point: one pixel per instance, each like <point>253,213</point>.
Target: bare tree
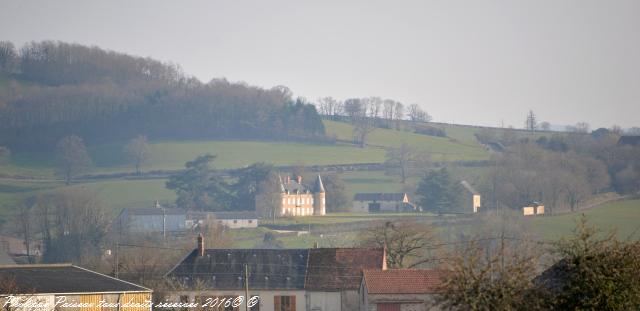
<point>545,126</point>
<point>269,196</point>
<point>137,150</point>
<point>388,109</point>
<point>72,157</point>
<point>407,244</point>
<point>398,113</point>
<point>582,127</point>
<point>362,127</point>
<point>375,106</point>
<point>73,225</point>
<point>404,160</point>
<point>531,123</point>
<point>24,219</point>
<point>495,269</point>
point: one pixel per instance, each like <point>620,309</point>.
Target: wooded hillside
<point>49,90</point>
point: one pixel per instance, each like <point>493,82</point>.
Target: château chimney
<point>299,178</point>
<point>200,245</point>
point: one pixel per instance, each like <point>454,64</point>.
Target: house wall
<point>324,301</point>
<point>350,300</point>
<point>266,296</point>
<point>476,203</point>
<point>297,204</point>
<point>385,206</point>
<point>239,223</point>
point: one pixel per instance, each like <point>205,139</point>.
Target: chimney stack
<point>200,245</point>
<point>299,179</point>
<point>384,257</point>
<point>288,179</point>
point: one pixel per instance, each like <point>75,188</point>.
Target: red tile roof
<point>403,281</point>
<point>334,269</point>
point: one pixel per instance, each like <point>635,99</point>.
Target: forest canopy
<point>49,90</point>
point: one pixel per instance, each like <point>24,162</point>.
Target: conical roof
<point>319,187</point>
<point>280,185</point>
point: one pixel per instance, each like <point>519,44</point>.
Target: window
<point>235,221</point>
<point>284,303</point>
<point>250,221</point>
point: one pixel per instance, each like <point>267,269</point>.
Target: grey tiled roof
<point>224,268</point>
<point>379,196</point>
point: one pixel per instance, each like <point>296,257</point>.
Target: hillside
<point>171,155</point>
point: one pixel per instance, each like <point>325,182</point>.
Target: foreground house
<point>54,284</point>
<point>333,276</point>
<point>400,289</point>
<point>381,202</point>
<point>319,279</point>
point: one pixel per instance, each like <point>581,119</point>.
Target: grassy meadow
<point>622,216</point>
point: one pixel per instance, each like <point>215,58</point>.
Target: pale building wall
<point>350,300</point>
<point>324,301</point>
<point>297,205</point>
<point>239,223</point>
<point>266,296</point>
<point>476,202</point>
<point>385,206</point>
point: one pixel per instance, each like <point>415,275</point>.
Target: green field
<point>172,155</point>
<point>440,148</point>
<point>231,154</point>
<point>622,216</point>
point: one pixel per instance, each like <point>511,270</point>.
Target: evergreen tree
<point>438,192</point>
<point>199,187</point>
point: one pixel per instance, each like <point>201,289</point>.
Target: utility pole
<point>115,272</point>
<point>246,287</point>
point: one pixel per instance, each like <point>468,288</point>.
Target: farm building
<point>53,284</point>
<point>381,202</point>
<point>533,209</point>
<point>471,198</point>
<point>171,220</point>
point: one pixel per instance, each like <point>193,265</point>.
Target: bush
<point>430,131</point>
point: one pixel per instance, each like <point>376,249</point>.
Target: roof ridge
<point>39,265</point>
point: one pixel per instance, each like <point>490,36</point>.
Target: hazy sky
<point>474,62</point>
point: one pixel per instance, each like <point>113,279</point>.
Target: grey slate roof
<point>224,268</point>
<point>324,269</point>
<point>629,140</point>
<point>64,279</point>
<point>379,197</point>
<point>153,211</point>
<point>294,187</point>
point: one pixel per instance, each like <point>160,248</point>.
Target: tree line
<point>56,89</point>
